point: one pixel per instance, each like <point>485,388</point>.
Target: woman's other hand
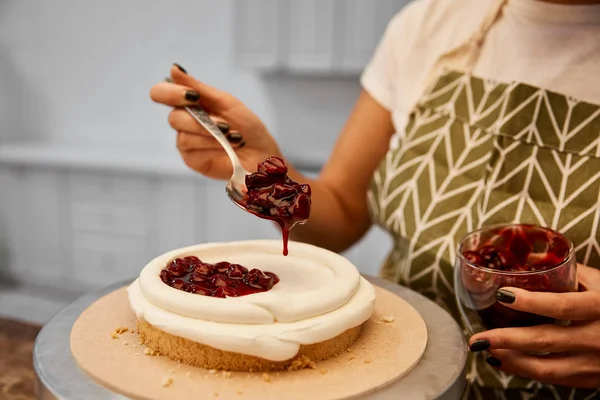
<point>199,150</point>
<point>574,358</point>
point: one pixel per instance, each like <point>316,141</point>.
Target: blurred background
<point>91,184</point>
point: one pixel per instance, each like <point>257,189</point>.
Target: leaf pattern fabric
<point>477,152</point>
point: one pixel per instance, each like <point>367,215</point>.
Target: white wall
<point>80,71</point>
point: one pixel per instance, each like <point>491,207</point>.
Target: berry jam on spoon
<point>273,195</point>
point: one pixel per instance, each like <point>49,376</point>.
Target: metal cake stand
<point>439,375</point>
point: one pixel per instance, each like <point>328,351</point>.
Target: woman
<point>473,112</point>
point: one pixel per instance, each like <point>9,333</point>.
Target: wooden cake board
<point>391,344</point>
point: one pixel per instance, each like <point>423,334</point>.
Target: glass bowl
<point>518,255</point>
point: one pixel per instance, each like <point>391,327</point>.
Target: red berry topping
<point>236,271</point>
<point>273,195</point>
<point>259,280</point>
<point>222,279</point>
<point>517,248</point>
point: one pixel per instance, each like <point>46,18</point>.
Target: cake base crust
<point>200,355</point>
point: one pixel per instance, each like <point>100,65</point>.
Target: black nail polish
<point>190,95</point>
<point>223,127</point>
<point>494,362</point>
<point>235,137</point>
<point>505,296</point>
<point>241,144</point>
<point>180,68</point>
<point>480,345</point>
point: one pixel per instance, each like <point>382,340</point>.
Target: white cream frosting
<point>320,295</point>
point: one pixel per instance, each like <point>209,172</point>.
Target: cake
<point>243,306</point>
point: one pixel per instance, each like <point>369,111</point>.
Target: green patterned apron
<point>477,152</point>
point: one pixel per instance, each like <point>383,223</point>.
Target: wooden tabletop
<point>16,366</point>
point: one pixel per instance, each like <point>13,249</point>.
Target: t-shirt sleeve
<point>378,78</point>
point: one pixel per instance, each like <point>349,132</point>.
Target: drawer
<point>107,188</point>
<point>111,219</point>
<point>100,260</point>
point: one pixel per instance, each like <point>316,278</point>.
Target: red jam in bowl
<point>519,255</point>
<point>222,279</point>
<point>274,195</point>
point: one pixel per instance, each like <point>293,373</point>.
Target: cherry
<point>222,267</point>
<point>259,280</point>
<point>204,269</point>
<point>236,271</point>
<point>259,180</point>
<point>219,280</point>
<point>197,289</point>
<point>166,276</point>
<point>493,258</point>
<point>178,283</point>
<point>191,261</point>
<point>272,166</point>
<point>198,277</point>
<point>225,292</point>
<point>279,191</point>
<point>177,267</point>
<point>473,257</point>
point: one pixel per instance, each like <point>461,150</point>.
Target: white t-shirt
<point>548,45</point>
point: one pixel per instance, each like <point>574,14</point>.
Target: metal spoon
<point>236,185</point>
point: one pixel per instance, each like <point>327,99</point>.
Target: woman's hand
<point>574,358</point>
<point>199,150</point>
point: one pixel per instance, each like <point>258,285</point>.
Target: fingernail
<point>241,144</point>
<point>223,127</point>
<point>494,362</point>
<point>190,95</point>
<point>180,68</point>
<point>235,137</point>
<point>505,296</point>
<point>480,345</point>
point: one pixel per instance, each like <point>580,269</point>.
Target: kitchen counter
<point>16,366</point>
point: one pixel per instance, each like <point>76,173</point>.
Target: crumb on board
<point>212,371</point>
<point>216,394</point>
<point>226,374</point>
<point>349,349</point>
<point>187,374</point>
<point>167,381</point>
<point>323,371</point>
<point>266,377</point>
<point>118,331</point>
<point>149,352</point>
<point>367,361</point>
<point>239,392</point>
<point>302,362</point>
<point>388,318</point>
<point>125,343</point>
<point>351,357</point>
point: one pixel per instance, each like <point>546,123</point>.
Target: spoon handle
<point>202,117</point>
